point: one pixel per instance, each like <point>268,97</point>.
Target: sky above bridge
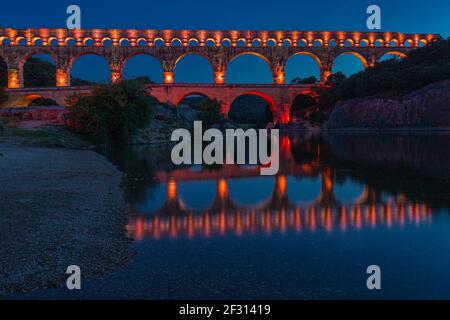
<point>408,16</point>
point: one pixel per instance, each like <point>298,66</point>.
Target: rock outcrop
<point>426,107</point>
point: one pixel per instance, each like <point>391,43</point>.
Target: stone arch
<point>193,93</point>
<point>75,58</point>
<point>399,54</point>
<point>209,77</point>
<point>26,57</point>
<point>250,53</point>
<point>156,77</point>
<point>315,58</point>
<point>267,98</point>
<point>26,100</point>
<point>355,54</point>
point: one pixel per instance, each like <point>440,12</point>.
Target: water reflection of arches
<point>251,192</point>
<point>307,219</point>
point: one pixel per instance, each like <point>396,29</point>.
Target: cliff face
<point>426,107</point>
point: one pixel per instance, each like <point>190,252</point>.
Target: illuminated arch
<point>399,54</point>
<point>107,41</point>
<point>234,72</point>
<point>199,64</point>
<point>25,102</point>
<point>53,41</point>
<point>193,42</point>
<point>36,40</point>
<point>364,43</point>
<point>422,43</point>
<point>176,42</point>
<point>393,43</point>
<point>355,54</point>
<point>76,58</point>
<point>271,42</point>
<point>210,42</point>
<point>267,98</point>
<point>318,43</point>
<point>21,41</point>
<point>159,42</point>
<point>69,41</point>
<point>195,93</point>
<point>4,41</point>
<point>141,42</point>
<point>291,74</point>
<point>153,68</point>
<point>124,42</point>
<point>226,42</point>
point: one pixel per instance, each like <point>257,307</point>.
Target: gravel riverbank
<point>58,207</point>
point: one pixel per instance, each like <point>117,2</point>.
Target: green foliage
<point>335,78</point>
<point>392,77</point>
<point>209,112</point>
<point>39,73</point>
<point>113,113</point>
<point>308,80</point>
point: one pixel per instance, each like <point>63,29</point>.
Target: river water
<point>339,203</point>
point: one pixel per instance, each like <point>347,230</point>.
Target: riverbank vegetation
<point>113,113</point>
<point>393,77</point>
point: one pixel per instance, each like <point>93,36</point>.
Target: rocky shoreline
<point>59,207</point>
<point>427,108</point>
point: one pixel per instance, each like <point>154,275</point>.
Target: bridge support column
<point>116,68</point>
<point>324,75</point>
<point>168,77</point>
<point>62,77</point>
<point>278,70</point>
<point>224,109</point>
<point>219,77</point>
<point>15,78</point>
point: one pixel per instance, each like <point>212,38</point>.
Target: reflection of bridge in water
<point>275,214</point>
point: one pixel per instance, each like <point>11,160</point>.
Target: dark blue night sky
<point>401,15</point>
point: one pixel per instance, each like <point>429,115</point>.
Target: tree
<point>308,80</point>
<point>113,113</point>
<point>335,78</point>
<point>210,112</point>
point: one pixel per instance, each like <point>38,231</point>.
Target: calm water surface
<point>338,204</point>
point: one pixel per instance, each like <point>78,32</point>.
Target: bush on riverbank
<point>113,113</point>
<point>394,78</point>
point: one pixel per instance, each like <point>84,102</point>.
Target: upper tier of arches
<point>243,38</point>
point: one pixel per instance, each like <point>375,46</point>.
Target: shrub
<point>210,112</point>
<point>113,113</point>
